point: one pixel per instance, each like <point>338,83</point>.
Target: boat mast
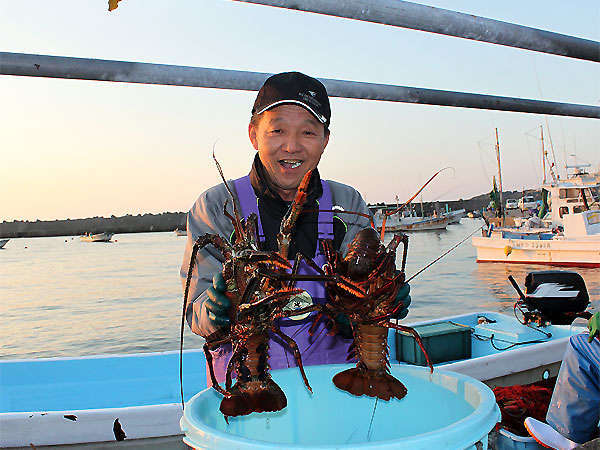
<point>501,206</point>
<point>543,153</point>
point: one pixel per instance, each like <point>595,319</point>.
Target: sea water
<point>63,297</point>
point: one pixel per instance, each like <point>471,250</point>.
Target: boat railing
<point>396,13</point>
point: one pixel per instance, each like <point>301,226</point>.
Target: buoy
<point>507,250</point>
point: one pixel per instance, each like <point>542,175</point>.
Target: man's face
<point>290,142</point>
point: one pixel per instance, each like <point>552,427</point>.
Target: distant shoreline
<point>169,221</point>
<point>142,223</point>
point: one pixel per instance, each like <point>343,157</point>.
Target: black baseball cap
<point>294,88</point>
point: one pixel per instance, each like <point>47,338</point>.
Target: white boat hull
<point>439,223</point>
<point>53,428</point>
<point>455,216</point>
<point>99,237</point>
<point>556,252</point>
<point>394,223</point>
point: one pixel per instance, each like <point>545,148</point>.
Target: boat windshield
<point>593,194</point>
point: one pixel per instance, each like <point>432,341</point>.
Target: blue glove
<point>217,304</point>
<point>403,298</point>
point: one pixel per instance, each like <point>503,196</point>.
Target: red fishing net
<point>520,401</point>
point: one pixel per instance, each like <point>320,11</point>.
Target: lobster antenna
<point>400,208</point>
<point>340,211</point>
<point>236,213</point>
<point>389,213</point>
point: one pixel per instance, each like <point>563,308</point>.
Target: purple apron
<point>320,348</point>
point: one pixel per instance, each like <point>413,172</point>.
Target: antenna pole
<point>499,176</point>
<point>543,153</point>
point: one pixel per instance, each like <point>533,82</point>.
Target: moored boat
<point>3,242</point>
<point>397,222</point>
<point>180,232</point>
<point>577,245</point>
<point>425,224</point>
<point>98,237</point>
<point>455,216</point>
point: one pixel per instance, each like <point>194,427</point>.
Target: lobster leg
<point>333,258</point>
<point>231,364</point>
<point>400,237</point>
<point>269,258</point>
<point>252,228</point>
<point>292,344</point>
<point>209,360</point>
<point>226,250</point>
<point>397,280</point>
<point>415,335</point>
<point>387,260</point>
<point>250,289</point>
<point>295,268</point>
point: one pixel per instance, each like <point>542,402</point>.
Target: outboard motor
<point>553,296</point>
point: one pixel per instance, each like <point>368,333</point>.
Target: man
<point>574,409</point>
<point>289,129</point>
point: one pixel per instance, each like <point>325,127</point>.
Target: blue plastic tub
<point>441,410</point>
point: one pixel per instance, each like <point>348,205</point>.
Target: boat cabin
<point>567,198</point>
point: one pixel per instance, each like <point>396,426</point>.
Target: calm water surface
<point>63,297</point>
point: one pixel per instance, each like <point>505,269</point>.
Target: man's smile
<point>290,163</point>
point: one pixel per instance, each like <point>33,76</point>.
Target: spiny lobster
<point>365,293</point>
<point>259,288</point>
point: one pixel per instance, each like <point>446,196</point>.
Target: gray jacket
<point>206,216</point>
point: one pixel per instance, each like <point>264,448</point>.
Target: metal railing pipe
<point>21,64</point>
<point>405,14</point>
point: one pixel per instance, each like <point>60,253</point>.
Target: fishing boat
<point>425,224</point>
<point>455,216</point>
<point>180,232</point>
<point>399,222</point>
<point>97,237</point>
<point>575,242</point>
<point>3,242</point>
<point>58,401</point>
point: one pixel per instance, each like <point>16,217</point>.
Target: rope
<point>444,254</point>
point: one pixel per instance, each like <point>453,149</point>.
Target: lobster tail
<point>371,375</point>
<point>359,381</point>
<point>255,396</point>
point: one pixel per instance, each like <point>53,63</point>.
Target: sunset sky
<point>72,149</point>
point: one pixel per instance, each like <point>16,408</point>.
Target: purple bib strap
<point>248,201</point>
<point>249,204</point>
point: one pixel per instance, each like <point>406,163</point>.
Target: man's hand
<point>343,326</point>
<point>594,326</point>
<point>217,303</point>
<point>403,298</point>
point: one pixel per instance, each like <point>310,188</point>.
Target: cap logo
<point>310,99</point>
<point>312,93</point>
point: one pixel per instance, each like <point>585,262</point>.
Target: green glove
<point>217,304</point>
<point>344,328</point>
<point>402,297</point>
<point>594,326</point>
